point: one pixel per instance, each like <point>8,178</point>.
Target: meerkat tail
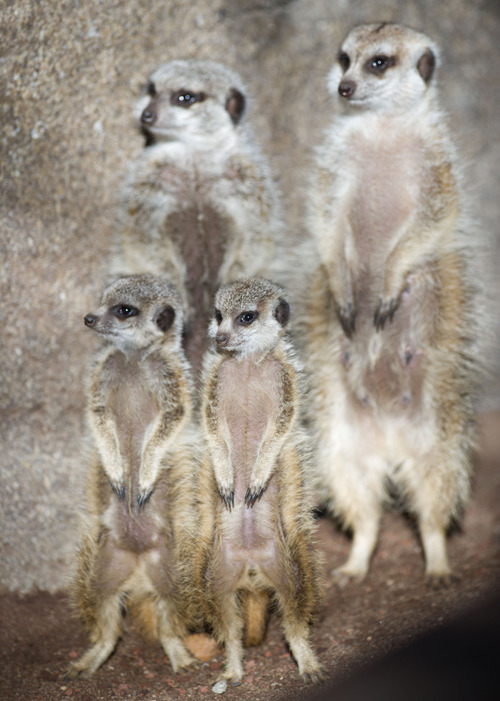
<point>255,614</point>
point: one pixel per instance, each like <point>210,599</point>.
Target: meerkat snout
<point>347,88</point>
<point>148,115</point>
<point>90,320</point>
<point>222,339</point>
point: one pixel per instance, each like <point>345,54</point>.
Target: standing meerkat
<point>139,509</point>
<point>256,535</point>
<point>199,204</point>
<point>392,318</point>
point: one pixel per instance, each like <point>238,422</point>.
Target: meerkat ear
<point>426,65</point>
<point>235,104</point>
<point>165,318</point>
<point>282,312</point>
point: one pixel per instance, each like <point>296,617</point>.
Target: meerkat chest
<point>386,162</point>
<point>132,404</point>
<point>250,395</point>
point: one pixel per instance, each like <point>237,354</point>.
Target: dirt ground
<point>358,625</point>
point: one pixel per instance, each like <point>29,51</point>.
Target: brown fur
<point>256,531</point>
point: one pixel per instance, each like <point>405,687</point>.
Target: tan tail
<point>144,615</point>
<point>255,616</point>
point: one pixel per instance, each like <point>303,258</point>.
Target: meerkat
<point>199,204</point>
<point>392,316</point>
<point>256,532</point>
<point>139,511</point>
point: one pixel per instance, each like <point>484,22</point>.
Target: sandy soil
<point>358,625</point>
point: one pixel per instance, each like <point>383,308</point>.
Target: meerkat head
<point>250,316</point>
<point>384,67</point>
<point>138,311</point>
<point>198,102</point>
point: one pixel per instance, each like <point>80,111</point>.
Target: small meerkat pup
<point>392,318</point>
<point>139,511</point>
<point>199,204</point>
<point>256,530</point>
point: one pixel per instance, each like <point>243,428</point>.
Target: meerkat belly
<point>134,530</point>
<point>387,370</point>
<point>251,407</point>
<point>249,539</point>
<point>200,234</point>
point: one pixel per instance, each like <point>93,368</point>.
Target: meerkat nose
<point>90,320</point>
<point>222,339</point>
<point>148,116</point>
<point>347,88</point>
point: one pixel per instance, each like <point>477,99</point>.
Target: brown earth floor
<point>358,624</point>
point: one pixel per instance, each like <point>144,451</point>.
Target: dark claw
<point>143,498</point>
<point>228,500</point>
<point>384,312</point>
<point>252,497</point>
<point>347,317</point>
<point>119,490</point>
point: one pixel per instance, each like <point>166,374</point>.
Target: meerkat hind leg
<point>297,637</point>
<point>437,570</point>
<point>233,639</point>
<point>365,535</point>
<point>105,637</point>
<point>170,641</point>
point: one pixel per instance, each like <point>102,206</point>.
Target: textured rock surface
<point>70,72</point>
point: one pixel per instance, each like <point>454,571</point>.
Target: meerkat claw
<point>119,490</point>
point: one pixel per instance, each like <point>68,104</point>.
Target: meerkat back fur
<point>199,204</point>
<point>393,314</point>
<point>256,537</point>
<point>138,514</point>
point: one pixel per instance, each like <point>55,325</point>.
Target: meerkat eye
<point>379,64</point>
<point>246,318</point>
<point>185,98</point>
<point>344,61</point>
<point>124,311</point>
<point>218,316</point>
<point>151,89</point>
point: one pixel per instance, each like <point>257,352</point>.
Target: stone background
<point>70,72</point>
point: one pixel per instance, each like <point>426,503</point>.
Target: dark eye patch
<point>124,311</point>
<point>344,61</point>
<point>185,98</point>
<point>218,316</point>
<point>379,64</point>
<point>151,89</point>
<point>246,318</point>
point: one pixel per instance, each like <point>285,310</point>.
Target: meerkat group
<point>199,493</point>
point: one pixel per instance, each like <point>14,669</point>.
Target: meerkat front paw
<point>118,488</point>
<point>385,311</point>
<point>253,494</point>
<point>226,493</point>
<point>143,497</point>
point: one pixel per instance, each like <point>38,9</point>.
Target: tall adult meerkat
<point>256,532</point>
<point>393,318</point>
<point>199,204</point>
<point>139,512</point>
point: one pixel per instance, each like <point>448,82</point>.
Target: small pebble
<point>219,687</point>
